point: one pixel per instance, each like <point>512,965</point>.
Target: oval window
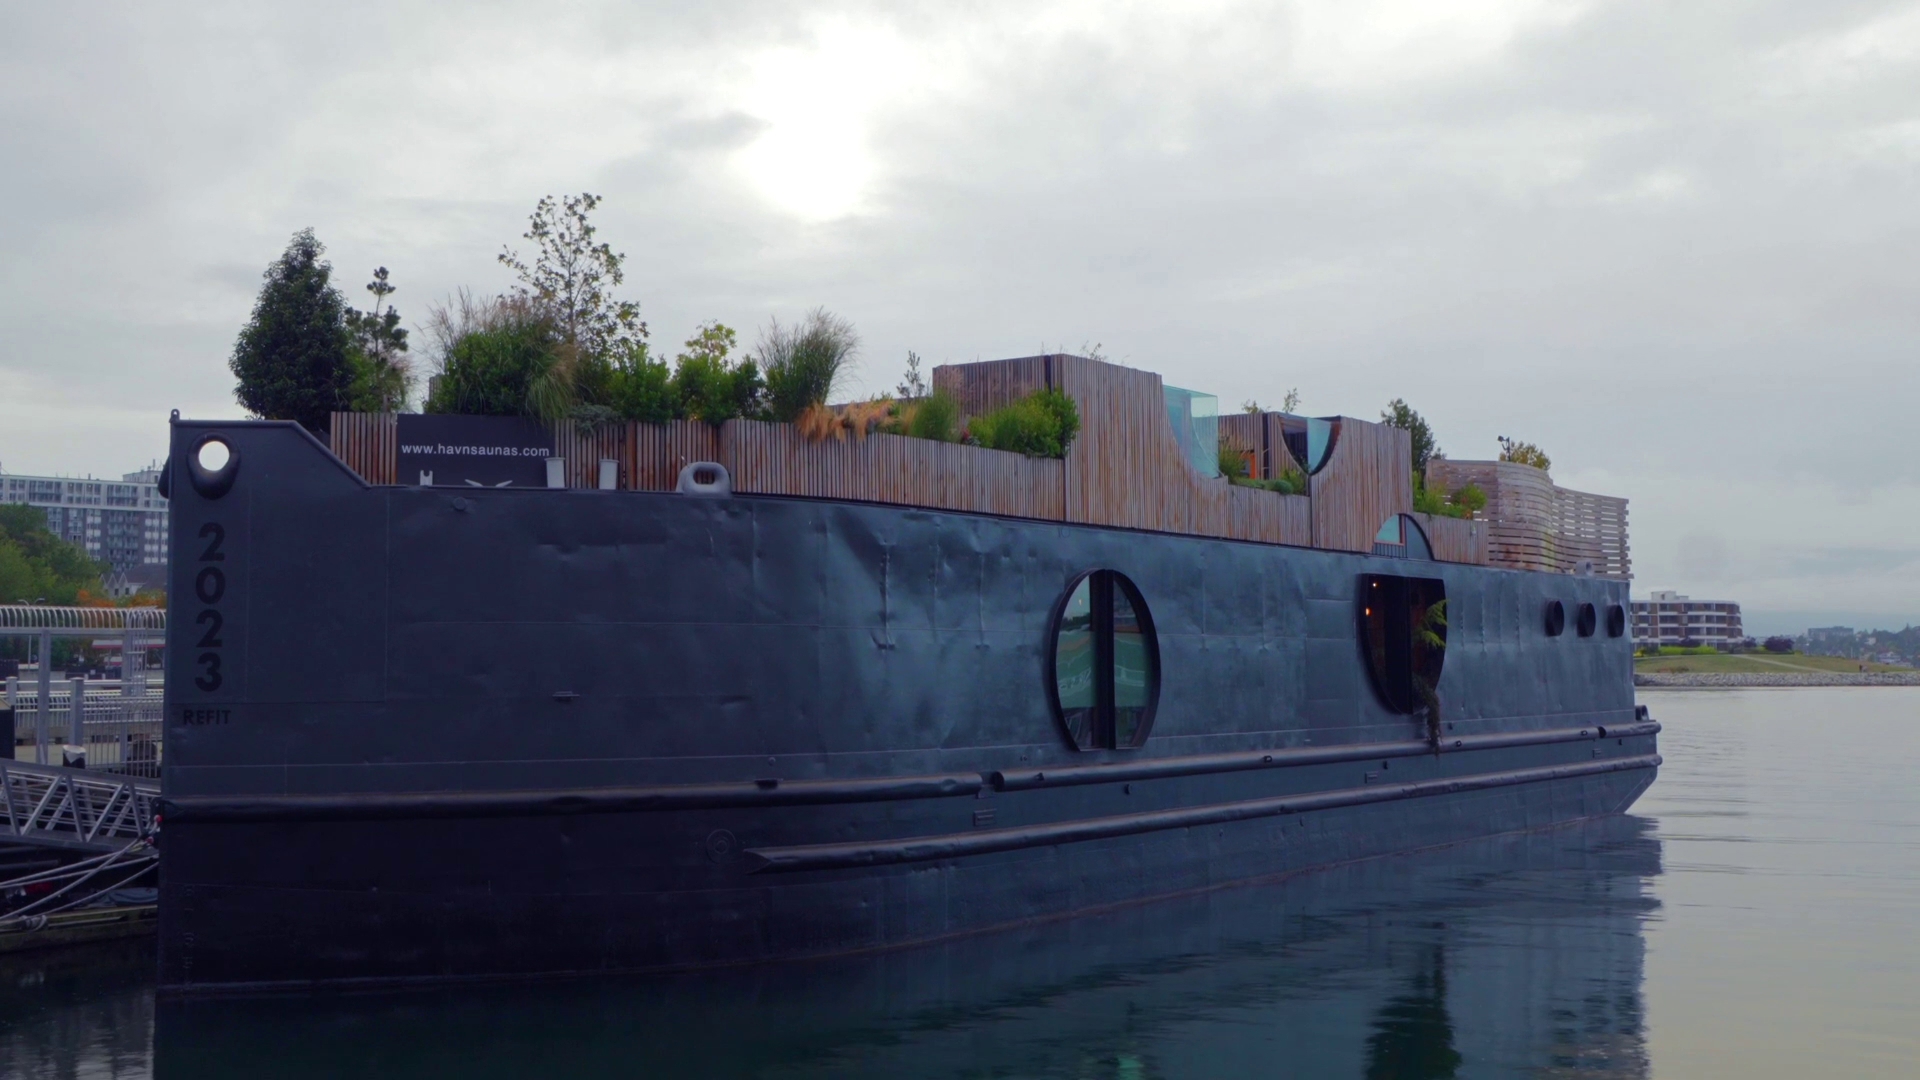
<point>1556,618</point>
<point>1616,620</point>
<point>1584,620</point>
<point>1104,667</point>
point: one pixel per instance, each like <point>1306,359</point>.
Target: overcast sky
<point>1674,244</point>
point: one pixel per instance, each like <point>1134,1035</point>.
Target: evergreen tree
<point>292,357</point>
<point>382,377</point>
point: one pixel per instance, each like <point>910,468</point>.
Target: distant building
<point>1670,618</point>
<point>122,523</point>
<point>1823,634</point>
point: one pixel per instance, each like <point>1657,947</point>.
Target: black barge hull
<point>442,734</point>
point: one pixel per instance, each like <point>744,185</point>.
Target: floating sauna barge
<point>881,691</point>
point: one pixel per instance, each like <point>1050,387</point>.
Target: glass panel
<point>1390,532</point>
<point>1319,443</point>
<point>1132,671</point>
<point>1195,418</point>
<point>1073,664</point>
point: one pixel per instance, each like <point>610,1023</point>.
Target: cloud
<point>1671,244</point>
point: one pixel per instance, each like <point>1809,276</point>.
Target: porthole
<point>1616,620</point>
<point>1585,621</point>
<point>1556,618</point>
<point>1403,632</point>
<point>212,466</point>
<point>1103,670</point>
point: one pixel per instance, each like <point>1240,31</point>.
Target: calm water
<point>1757,916</point>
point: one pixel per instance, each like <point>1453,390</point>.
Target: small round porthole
<point>1103,664</point>
<point>1556,618</point>
<point>1585,620</point>
<point>1616,620</point>
<point>212,466</point>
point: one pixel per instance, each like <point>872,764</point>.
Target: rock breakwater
<point>1783,678</point>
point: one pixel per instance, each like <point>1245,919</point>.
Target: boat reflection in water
<point>1518,955</point>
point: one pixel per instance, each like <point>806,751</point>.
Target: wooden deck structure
<point>1126,469</point>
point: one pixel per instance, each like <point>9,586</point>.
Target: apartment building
<point>122,523</point>
<point>1669,618</point>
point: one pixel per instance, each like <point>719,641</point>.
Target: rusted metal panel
<point>1368,478</point>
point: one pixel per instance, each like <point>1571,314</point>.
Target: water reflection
<point>1517,956</point>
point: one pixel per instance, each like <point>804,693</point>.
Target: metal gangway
<point>112,724</point>
<point>74,809</point>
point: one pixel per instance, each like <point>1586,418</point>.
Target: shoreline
<point>1732,680</point>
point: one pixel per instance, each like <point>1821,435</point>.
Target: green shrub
<point>803,363</point>
<point>710,389</point>
<point>500,358</point>
<point>1233,465</point>
<point>641,388</point>
<point>1042,424</point>
<point>936,417</point>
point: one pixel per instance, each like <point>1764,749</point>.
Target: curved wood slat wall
<point>1533,524</point>
<point>1456,540</point>
<point>1368,479</point>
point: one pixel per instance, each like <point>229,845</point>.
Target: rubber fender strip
<point>480,804</point>
<point>1238,761</point>
<point>959,845</point>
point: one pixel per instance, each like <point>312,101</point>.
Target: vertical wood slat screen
<point>1367,479</point>
<point>367,443</point>
<point>1126,469</point>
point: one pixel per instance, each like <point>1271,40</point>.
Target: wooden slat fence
<point>1126,469</point>
<point>1456,540</point>
<point>1533,524</point>
<point>657,452</point>
<point>775,459</point>
<point>368,443</point>
<point>1367,479</point>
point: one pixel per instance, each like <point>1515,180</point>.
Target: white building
<point>1670,618</point>
<point>122,523</point>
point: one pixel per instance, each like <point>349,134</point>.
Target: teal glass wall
<point>1196,427</point>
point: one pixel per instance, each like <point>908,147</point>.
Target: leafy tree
<point>803,363</point>
<point>1401,415</point>
<point>1524,453</point>
<point>1291,405</point>
<point>571,278</point>
<point>382,375</point>
<point>641,388</point>
<point>37,565</point>
<point>292,356</point>
<point>1779,644</point>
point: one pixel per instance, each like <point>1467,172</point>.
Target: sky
<point>1673,244</point>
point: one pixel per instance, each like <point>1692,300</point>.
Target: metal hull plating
<point>450,734</point>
